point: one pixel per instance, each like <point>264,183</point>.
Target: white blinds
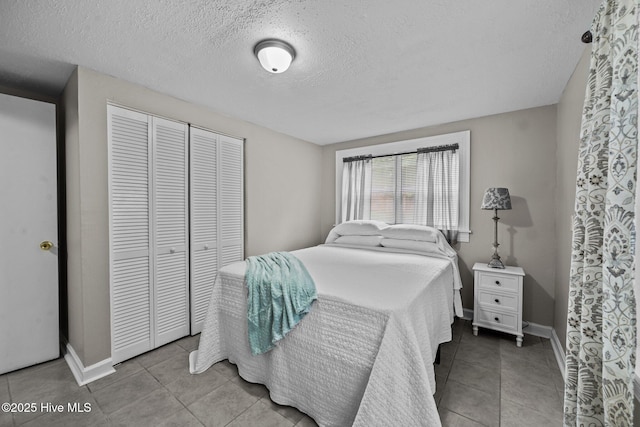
<point>383,189</point>
<point>408,189</point>
<point>393,188</point>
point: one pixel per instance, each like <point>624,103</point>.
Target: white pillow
<point>359,240</point>
<point>413,245</point>
<point>421,233</point>
<point>360,228</point>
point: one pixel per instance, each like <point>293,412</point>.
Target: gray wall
<point>514,150</point>
<point>523,150</point>
<point>569,120</point>
<point>73,290</point>
<point>282,183</point>
<point>29,94</point>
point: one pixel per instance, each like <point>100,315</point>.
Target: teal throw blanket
<point>280,295</point>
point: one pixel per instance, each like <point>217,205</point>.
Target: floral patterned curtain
<point>601,325</point>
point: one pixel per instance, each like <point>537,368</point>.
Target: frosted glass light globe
<point>275,56</point>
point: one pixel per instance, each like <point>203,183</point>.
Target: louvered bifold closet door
<point>231,189</point>
<point>130,257</point>
<point>203,148</point>
<point>170,230</point>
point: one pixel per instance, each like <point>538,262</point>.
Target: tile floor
<point>488,381</point>
<point>482,381</point>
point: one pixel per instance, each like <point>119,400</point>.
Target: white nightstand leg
<point>475,330</point>
<point>519,341</point>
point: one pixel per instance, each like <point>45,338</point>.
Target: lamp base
<point>495,258</point>
<point>496,263</point>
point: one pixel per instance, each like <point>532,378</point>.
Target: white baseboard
<point>90,373</point>
<point>560,358</point>
<point>530,328</point>
<point>556,345</point>
<point>538,330</point>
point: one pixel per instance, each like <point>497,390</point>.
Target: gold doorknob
<point>46,245</point>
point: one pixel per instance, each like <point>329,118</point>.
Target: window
<point>394,187</point>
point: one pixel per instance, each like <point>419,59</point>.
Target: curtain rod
<point>356,158</point>
<point>450,147</point>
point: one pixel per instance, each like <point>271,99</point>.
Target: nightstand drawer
<point>498,281</point>
<point>499,320</point>
<point>493,300</point>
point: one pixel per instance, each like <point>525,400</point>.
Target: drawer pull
<point>497,301</point>
<point>497,319</point>
<point>498,282</point>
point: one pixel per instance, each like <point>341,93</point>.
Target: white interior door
<point>204,222</point>
<point>171,229</point>
<point>130,258</point>
<point>231,200</point>
<point>28,220</point>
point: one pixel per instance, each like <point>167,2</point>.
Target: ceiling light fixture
<point>275,56</point>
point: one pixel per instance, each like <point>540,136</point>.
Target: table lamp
<point>496,199</point>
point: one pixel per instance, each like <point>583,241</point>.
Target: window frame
<point>463,139</point>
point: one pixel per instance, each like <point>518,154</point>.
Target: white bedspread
<point>364,353</point>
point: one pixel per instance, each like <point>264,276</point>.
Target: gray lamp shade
<point>496,198</point>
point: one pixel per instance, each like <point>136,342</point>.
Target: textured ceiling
<point>363,67</point>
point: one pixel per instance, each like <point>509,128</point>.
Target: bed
<point>364,354</point>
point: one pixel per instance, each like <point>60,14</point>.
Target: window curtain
<point>438,189</point>
<point>356,188</point>
<point>601,324</point>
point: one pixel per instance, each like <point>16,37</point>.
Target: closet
<point>216,213</point>
<point>170,185</point>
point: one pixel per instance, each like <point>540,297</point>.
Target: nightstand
<point>497,302</point>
